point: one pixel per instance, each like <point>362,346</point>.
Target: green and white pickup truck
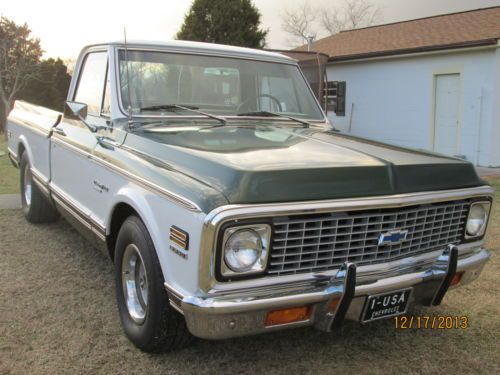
<point>231,206</point>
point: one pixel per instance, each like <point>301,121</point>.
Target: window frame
<point>106,89</point>
<point>81,70</point>
<point>123,111</point>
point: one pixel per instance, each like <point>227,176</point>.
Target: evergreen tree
<point>49,87</point>
<point>234,22</point>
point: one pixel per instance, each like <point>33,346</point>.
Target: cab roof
<point>202,48</point>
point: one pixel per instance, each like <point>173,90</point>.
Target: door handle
<point>107,143</point>
<point>59,131</point>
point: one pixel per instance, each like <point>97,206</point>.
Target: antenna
<point>129,109</point>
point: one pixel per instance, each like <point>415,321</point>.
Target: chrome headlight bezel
<point>481,232</point>
<point>260,266</point>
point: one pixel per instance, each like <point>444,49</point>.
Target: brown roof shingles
<point>470,28</point>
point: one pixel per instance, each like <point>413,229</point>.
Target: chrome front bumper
<point>241,314</point>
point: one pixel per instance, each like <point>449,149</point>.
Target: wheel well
<point>120,213</point>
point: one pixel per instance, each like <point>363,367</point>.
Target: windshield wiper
<point>167,107</point>
<point>174,107</point>
<point>273,114</point>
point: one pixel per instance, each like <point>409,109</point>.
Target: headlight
<point>245,249</point>
<point>477,219</point>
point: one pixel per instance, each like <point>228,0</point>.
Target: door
<point>72,175</point>
<point>446,114</point>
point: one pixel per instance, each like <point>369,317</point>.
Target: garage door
<point>446,120</point>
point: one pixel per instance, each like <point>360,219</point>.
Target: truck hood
<point>261,164</point>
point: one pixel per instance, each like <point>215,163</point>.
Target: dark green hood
<point>250,164</point>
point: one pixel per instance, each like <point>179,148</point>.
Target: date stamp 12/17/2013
<point>431,322</point>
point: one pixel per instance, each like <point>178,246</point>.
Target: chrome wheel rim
<point>27,185</point>
<point>135,283</point>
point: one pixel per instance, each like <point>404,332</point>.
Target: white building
<point>431,83</point>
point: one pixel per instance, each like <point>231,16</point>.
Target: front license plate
<point>385,305</point>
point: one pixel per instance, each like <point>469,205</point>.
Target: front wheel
<point>145,313</point>
<point>36,206</point>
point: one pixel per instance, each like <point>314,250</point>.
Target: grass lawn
<point>58,316</point>
<point>9,176</point>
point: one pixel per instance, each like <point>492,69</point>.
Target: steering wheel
<point>244,103</point>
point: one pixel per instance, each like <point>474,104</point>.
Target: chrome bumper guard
<point>235,315</point>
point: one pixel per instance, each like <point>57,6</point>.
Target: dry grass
<point>58,316</point>
<point>9,176</point>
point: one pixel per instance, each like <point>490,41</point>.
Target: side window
<point>91,83</point>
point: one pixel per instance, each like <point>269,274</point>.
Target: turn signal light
<point>334,303</point>
<point>291,315</point>
<point>456,278</point>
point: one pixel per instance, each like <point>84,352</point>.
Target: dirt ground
<point>58,316</point>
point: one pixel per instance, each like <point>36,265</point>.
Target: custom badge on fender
<point>179,241</point>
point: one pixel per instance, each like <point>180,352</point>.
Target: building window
<point>334,97</point>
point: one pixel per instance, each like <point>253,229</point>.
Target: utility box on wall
<point>340,102</point>
<point>334,97</point>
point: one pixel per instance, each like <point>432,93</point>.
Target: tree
<point>19,56</point>
<point>352,15</point>
<point>299,23</point>
<point>49,87</point>
<point>305,21</point>
<point>235,22</point>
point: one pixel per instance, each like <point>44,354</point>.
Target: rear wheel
<point>36,206</point>
<point>145,312</point>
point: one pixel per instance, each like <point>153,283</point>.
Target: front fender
<point>135,199</point>
<point>158,215</point>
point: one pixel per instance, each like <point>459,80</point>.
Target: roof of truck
<point>203,48</point>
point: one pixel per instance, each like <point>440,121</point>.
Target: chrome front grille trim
<point>214,220</point>
<point>314,243</point>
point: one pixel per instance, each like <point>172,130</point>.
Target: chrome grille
<point>321,242</point>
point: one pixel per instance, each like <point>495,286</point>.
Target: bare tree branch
<point>299,23</point>
<point>352,15</point>
<point>332,21</point>
<point>305,21</point>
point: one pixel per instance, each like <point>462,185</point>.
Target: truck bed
<point>32,123</point>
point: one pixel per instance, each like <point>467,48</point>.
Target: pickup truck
<point>230,205</point>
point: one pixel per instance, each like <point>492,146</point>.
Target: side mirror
<point>75,110</point>
<point>78,111</point>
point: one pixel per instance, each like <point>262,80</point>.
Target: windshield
<point>218,85</point>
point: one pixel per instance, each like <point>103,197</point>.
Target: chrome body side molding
<point>41,182</point>
<point>33,128</point>
<point>128,174</point>
<point>13,158</point>
<point>81,220</point>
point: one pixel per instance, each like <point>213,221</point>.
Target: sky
<point>65,27</point>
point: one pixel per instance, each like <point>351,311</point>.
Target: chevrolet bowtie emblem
<point>392,238</point>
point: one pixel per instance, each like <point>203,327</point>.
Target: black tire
<point>162,328</point>
<point>38,208</point>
